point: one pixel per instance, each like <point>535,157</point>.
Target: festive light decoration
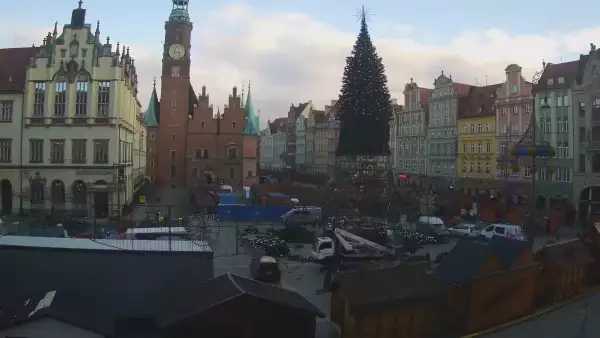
<point>364,107</point>
<point>272,246</point>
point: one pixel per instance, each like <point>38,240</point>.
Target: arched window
<point>37,185</point>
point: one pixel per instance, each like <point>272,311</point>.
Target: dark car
<point>265,269</point>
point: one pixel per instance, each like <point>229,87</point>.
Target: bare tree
<point>204,227</point>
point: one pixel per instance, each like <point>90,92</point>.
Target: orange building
<point>193,145</point>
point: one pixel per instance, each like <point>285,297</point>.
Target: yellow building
<point>476,141</point>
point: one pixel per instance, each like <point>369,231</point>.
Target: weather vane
<point>363,13</point>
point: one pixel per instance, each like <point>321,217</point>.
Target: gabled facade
<point>151,121</point>
<point>292,116</point>
<point>266,147</point>
<point>411,136</point>
<point>513,116</point>
<point>477,142</point>
<point>442,125</point>
<point>553,113</point>
<point>81,123</point>
<point>300,154</point>
<point>321,142</point>
<point>279,133</point>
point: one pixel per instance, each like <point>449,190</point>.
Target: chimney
<point>235,91</point>
<point>203,90</point>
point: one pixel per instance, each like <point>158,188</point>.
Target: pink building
<point>513,115</point>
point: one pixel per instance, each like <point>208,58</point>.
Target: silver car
<point>301,216</point>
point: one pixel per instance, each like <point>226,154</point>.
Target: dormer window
<point>561,80</point>
<point>74,49</point>
<point>550,81</point>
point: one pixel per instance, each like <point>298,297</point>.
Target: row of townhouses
<point>71,132</point>
<point>461,135</point>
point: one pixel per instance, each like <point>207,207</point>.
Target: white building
<point>266,147</point>
<point>80,126</point>
<point>300,154</point>
<point>279,142</point>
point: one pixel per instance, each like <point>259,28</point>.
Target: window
<point>101,151</point>
<point>202,125</point>
<point>464,148</point>
<point>60,98</point>
<point>233,125</point>
<point>57,151</point>
<point>480,148</point>
<point>6,109</point>
<point>515,110</point>
<point>175,71</point>
<point>472,148</point>
<point>528,108</point>
<point>81,97</point>
<point>561,79</point>
<point>550,81</point>
<point>231,173</point>
<point>527,171</point>
<point>39,99</point>
<point>581,108</point>
<point>36,151</point>
<point>201,154</point>
<point>173,107</point>
<point>559,101</point>
<point>514,89</point>
<point>503,147</point>
<point>472,128</point>
<point>173,154</point>
<point>103,98</point>
<point>581,163</point>
<point>480,128</point>
<point>78,151</point>
<point>74,51</point>
<point>5,150</point>
<point>232,153</point>
<point>488,148</point>
<point>153,136</point>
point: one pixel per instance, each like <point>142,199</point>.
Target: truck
<point>349,247</point>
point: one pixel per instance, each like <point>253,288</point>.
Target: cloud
<point>292,57</point>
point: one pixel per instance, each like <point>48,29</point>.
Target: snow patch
<point>44,302</point>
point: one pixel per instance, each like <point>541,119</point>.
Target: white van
<point>504,230</point>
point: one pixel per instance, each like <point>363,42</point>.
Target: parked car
<point>265,269</point>
<point>504,230</point>
<point>463,230</point>
<point>432,226</point>
<point>302,216</point>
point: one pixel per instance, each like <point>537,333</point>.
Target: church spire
<point>151,118</point>
<point>252,120</point>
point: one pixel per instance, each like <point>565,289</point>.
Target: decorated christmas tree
<point>364,106</point>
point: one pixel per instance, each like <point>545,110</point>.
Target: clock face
<point>176,51</point>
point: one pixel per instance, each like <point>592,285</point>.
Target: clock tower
<point>175,97</point>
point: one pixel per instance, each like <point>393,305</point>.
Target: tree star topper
<point>363,13</point>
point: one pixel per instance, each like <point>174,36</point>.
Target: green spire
<point>180,11</point>
<point>252,120</point>
<point>151,116</point>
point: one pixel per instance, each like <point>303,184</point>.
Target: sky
<point>294,51</point>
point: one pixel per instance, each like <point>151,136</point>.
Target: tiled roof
<point>298,110</point>
<point>370,289</point>
<point>319,116</point>
<point>568,70</point>
<point>183,303</point>
<point>479,102</point>
<point>567,255</point>
<point>278,123</point>
<point>461,89</point>
<point>13,67</point>
<point>425,95</point>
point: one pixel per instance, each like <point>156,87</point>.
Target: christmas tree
<point>364,107</point>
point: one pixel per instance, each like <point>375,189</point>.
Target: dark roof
<point>129,283</point>
<point>462,89</point>
<point>425,95</point>
<point>371,289</point>
<point>319,116</point>
<point>13,67</point>
<point>568,70</point>
<point>567,255</point>
<point>71,308</point>
<point>298,110</point>
<point>464,260</point>
<point>479,102</point>
<point>278,123</point>
<point>224,288</point>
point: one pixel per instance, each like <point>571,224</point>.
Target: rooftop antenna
<point>486,82</point>
<point>242,101</point>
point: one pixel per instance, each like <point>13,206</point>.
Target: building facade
<point>195,146</point>
<point>15,61</point>
<point>266,147</point>
<point>553,113</point>
<point>80,125</point>
<point>411,132</point>
<point>300,154</point>
<point>586,129</point>
<point>477,142</point>
<point>292,115</point>
<point>334,134</point>
<point>513,116</point>
<point>442,129</point>
<point>321,141</point>
<point>279,142</point>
